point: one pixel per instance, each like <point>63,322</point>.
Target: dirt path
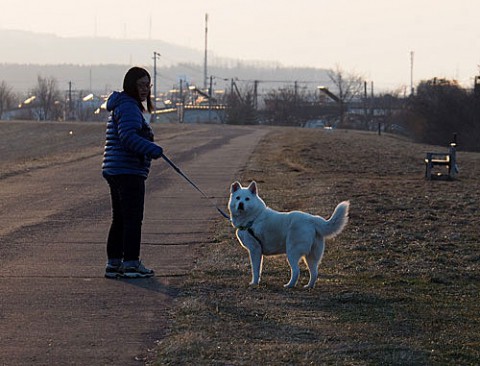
<point>56,308</point>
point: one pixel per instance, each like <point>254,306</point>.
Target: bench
<point>447,163</point>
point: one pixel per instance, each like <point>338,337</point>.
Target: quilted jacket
<point>129,146</point>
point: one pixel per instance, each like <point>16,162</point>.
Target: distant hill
<point>98,64</point>
<point>40,48</point>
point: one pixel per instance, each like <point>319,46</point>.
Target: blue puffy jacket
<point>129,146</point>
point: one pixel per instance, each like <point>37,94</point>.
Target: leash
<point>177,169</point>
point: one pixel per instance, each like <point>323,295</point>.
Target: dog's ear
<point>235,187</point>
<point>253,187</point>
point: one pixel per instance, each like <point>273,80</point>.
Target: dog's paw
<point>253,284</point>
<point>288,285</point>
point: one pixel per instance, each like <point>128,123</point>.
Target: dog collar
<point>248,228</point>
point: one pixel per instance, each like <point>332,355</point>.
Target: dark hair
<point>130,86</point>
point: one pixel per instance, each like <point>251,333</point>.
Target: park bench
<point>445,162</point>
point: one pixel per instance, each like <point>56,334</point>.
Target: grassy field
<point>46,143</point>
<point>400,286</point>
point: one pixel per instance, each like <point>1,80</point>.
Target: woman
<point>129,149</point>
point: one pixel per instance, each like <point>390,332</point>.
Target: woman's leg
<point>132,194</point>
<point>115,234</point>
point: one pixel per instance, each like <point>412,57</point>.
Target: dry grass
<point>44,144</point>
<point>399,287</point>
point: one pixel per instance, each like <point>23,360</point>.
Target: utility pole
<point>255,94</point>
<point>210,93</point>
<point>206,54</point>
<point>154,115</point>
<point>90,80</point>
<point>365,107</point>
<point>295,87</point>
<point>180,106</point>
<point>70,102</point>
<point>411,73</point>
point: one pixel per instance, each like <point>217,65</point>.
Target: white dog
<point>263,231</point>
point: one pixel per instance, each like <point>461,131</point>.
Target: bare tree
<point>349,85</point>
<point>290,106</point>
<point>280,106</point>
<point>48,96</point>
<point>6,97</point>
<point>241,105</point>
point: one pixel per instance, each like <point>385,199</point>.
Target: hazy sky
<point>373,38</point>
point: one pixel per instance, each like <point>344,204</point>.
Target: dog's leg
<point>293,261</point>
<point>256,261</point>
<point>312,264</point>
<point>313,260</point>
<point>255,253</point>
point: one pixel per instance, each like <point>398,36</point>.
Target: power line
<point>266,81</point>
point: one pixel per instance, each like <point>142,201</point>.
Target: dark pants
<point>128,198</point>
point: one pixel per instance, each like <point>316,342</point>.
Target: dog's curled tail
<point>336,223</point>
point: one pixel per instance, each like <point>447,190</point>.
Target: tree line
<point>442,108</point>
<point>437,110</point>
<point>46,102</point>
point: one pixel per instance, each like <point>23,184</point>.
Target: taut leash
<point>177,169</point>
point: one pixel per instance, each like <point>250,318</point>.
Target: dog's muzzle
<point>240,206</point>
